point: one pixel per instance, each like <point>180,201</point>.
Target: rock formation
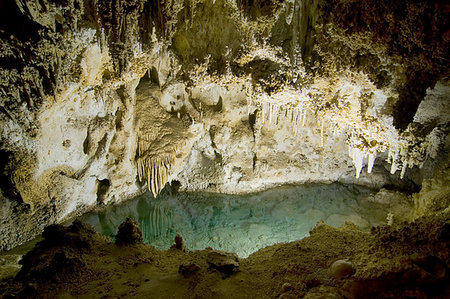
<point>396,261</point>
<point>129,233</point>
<point>101,100</point>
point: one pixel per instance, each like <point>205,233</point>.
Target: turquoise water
<point>241,223</point>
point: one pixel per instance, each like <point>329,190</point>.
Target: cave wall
<point>101,100</point>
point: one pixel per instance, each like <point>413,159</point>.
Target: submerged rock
<point>358,220</point>
<point>337,220</point>
<point>129,233</point>
<point>9,265</point>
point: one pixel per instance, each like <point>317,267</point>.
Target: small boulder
<point>222,261</point>
<point>129,233</point>
<point>341,268</point>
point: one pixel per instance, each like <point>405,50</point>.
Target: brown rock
<point>188,269</point>
<point>129,233</point>
<point>223,261</point>
<point>180,244</point>
<point>323,292</point>
<point>286,287</point>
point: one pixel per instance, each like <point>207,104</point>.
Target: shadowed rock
<point>188,269</point>
<point>224,262</point>
<point>180,244</point>
<point>129,233</point>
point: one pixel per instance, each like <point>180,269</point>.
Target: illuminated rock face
<point>101,100</point>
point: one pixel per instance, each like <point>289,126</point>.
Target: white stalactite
<point>303,117</point>
<point>402,174</point>
<point>280,110</point>
<point>358,157</point>
<point>154,170</point>
<point>371,161</point>
<point>321,132</point>
<point>393,158</point>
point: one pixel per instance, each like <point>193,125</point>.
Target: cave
<point>224,149</point>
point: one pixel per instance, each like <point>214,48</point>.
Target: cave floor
<point>406,260</point>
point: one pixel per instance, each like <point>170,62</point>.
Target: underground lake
<point>241,223</point>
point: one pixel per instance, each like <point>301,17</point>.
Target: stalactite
<point>371,161</point>
<point>357,156</point>
<point>402,174</point>
<point>393,155</point>
<point>321,132</point>
<point>155,170</point>
<point>303,117</point>
<point>363,141</point>
<point>270,113</point>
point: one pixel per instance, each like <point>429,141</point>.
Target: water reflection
<point>241,223</point>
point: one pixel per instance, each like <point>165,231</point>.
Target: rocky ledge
<point>404,260</point>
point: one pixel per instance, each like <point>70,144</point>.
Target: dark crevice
<point>102,189</point>
<point>252,121</point>
<point>119,119</point>
<point>101,146</point>
<point>410,97</point>
<point>259,8</point>
<point>86,143</point>
<point>218,107</point>
<point>12,21</point>
<point>6,184</point>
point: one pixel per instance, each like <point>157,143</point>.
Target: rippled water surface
<point>241,223</point>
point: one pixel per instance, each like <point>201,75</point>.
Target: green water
<point>241,223</point>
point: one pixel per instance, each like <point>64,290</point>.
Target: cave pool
<point>241,223</point>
